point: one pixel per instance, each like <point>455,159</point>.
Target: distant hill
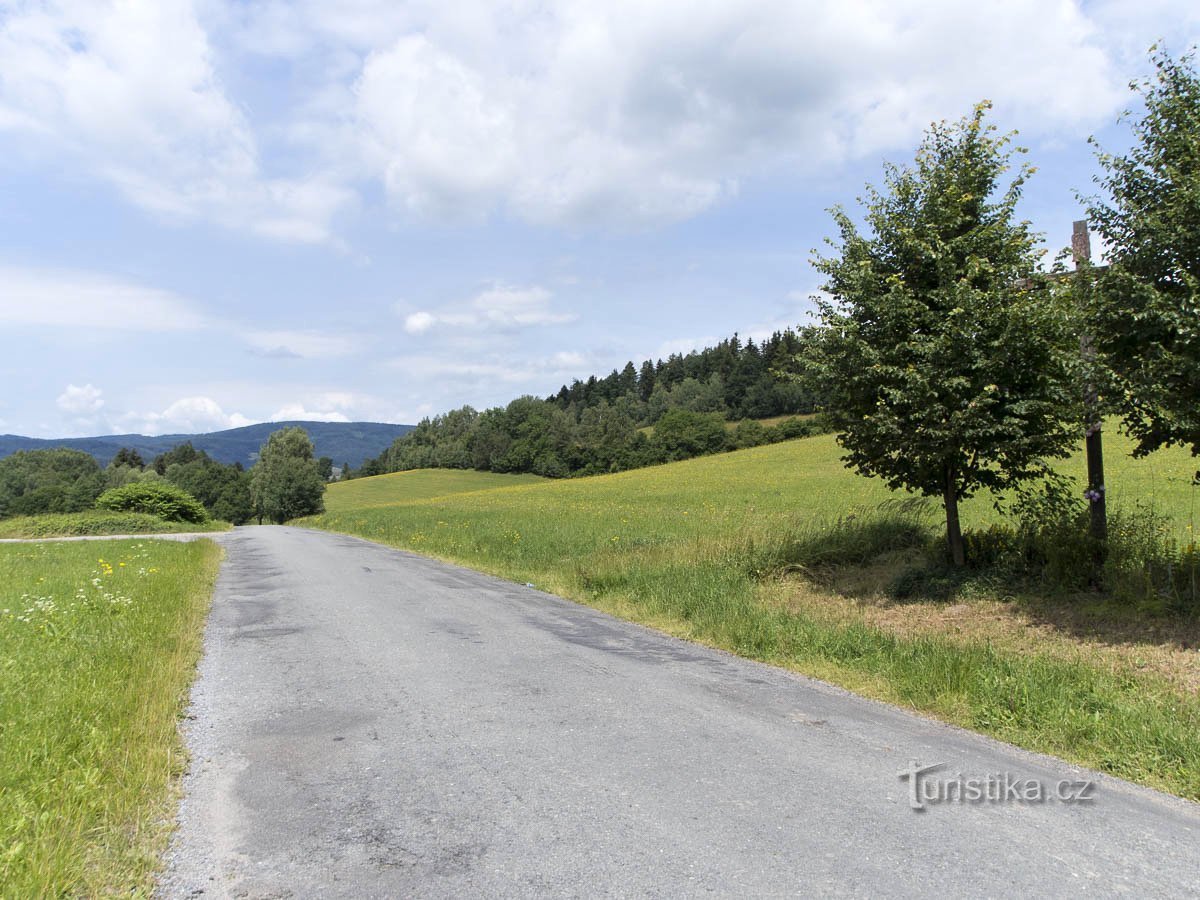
<point>344,442</point>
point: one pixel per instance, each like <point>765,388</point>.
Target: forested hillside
<point>660,411</point>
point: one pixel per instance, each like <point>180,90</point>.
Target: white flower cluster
<point>35,607</point>
<point>45,612</point>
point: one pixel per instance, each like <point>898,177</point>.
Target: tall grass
<point>381,490</point>
<point>98,522</point>
<point>98,643</point>
<point>1147,564</point>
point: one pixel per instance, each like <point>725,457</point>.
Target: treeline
<point>62,481</point>
<point>286,482</point>
<point>662,411</point>
<point>738,380</point>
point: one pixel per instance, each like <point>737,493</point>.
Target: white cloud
<point>569,359</point>
<point>622,113</point>
<point>288,28</point>
<point>89,300</point>
<point>502,307</point>
<point>488,377</point>
<point>797,309</point>
<point>81,402</point>
<point>335,406</point>
<point>1129,28</point>
<point>301,344</point>
<point>187,415</point>
<point>454,134</point>
<point>129,91</point>
<point>629,112</point>
<point>518,307</point>
<point>491,368</point>
<point>200,413</point>
<point>293,412</point>
<point>569,112</point>
<point>466,370</point>
<point>419,322</point>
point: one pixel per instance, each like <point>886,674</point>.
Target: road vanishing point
<point>371,723</point>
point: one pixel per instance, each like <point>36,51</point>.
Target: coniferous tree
<point>646,381</point>
<point>129,457</point>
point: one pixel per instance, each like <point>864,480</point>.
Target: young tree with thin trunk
<point>945,361</point>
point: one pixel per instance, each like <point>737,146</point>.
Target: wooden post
<point>1081,249</point>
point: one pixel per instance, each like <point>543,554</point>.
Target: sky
<point>218,212</point>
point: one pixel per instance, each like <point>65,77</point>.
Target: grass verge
<point>98,645</point>
<point>98,522</point>
<point>731,551</point>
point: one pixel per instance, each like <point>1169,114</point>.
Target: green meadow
<point>402,487</point>
<point>98,645</point>
<point>713,550</point>
<point>524,525</point>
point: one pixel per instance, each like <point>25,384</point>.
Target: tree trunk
<point>954,536</point>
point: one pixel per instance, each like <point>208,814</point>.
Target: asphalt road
<point>369,723</point>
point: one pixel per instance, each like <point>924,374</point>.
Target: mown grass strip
<point>98,645</point>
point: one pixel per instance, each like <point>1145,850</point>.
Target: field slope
<point>402,487</point>
<point>700,549</point>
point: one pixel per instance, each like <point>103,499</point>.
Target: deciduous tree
<point>41,481</point>
<point>285,482</point>
<point>1148,302</point>
<point>944,359</point>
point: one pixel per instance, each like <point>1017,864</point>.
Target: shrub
<point>749,433</point>
<point>1046,547</point>
<point>1052,536</point>
<point>681,434</point>
<point>858,538</point>
<point>168,502</point>
<point>790,429</point>
<point>1145,563</point>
